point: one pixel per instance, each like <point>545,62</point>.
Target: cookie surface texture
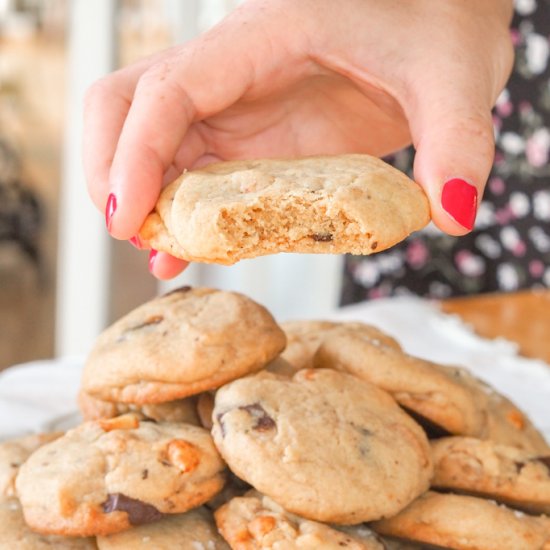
<point>325,445</point>
<point>193,530</point>
<point>106,476</point>
<point>466,523</point>
<point>13,453</point>
<point>230,211</point>
<point>16,535</point>
<point>499,472</point>
<point>182,343</point>
<point>255,522</point>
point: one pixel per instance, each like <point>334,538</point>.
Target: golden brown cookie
<point>500,472</point>
<point>255,522</point>
<point>180,344</point>
<point>305,336</point>
<point>323,444</point>
<point>230,211</point>
<point>466,523</point>
<point>106,476</point>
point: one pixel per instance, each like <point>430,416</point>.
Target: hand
<point>282,78</point>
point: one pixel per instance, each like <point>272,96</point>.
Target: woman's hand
<point>284,78</point>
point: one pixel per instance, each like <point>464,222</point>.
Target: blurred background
<point>62,280</point>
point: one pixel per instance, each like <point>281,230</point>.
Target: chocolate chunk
<point>519,466</point>
<point>264,422</point>
<point>138,512</point>
<point>322,237</point>
<point>145,474</point>
<point>374,245</point>
<point>151,322</point>
<point>545,460</point>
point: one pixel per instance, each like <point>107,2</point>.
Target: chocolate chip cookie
<point>230,211</point>
<point>255,522</point>
<point>500,472</point>
<point>180,344</point>
<point>441,395</point>
<point>106,476</point>
<point>466,523</point>
<point>323,444</point>
<point>305,336</point>
<point>194,530</point>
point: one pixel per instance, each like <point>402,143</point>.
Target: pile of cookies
<point>209,426</point>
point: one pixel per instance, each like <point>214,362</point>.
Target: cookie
<point>181,410</point>
<point>255,522</point>
<point>320,442</point>
<point>194,530</point>
<point>13,453</point>
<point>230,211</point>
<point>432,391</point>
<point>500,472</point>
<point>465,522</point>
<point>16,535</point>
<point>106,476</point>
<point>304,338</point>
<point>183,343</point>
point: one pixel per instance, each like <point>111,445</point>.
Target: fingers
<point>163,266</point>
<point>452,132</point>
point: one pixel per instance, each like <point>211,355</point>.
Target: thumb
<point>453,134</point>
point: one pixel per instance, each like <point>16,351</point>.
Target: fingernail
<point>134,241</point>
<point>110,209</point>
<point>459,200</point>
<point>152,258</point>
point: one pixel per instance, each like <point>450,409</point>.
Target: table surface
<point>523,317</point>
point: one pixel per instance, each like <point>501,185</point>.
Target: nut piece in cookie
<point>230,211</point>
<point>501,472</point>
<point>255,522</point>
<point>106,476</point>
<point>323,444</point>
<point>180,344</point>
<point>14,452</point>
<point>466,523</point>
<point>193,530</point>
<point>15,534</point>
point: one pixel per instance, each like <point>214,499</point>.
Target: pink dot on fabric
<point>536,268</point>
<point>519,249</point>
<point>497,186</point>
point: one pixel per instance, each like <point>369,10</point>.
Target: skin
<point>284,78</point>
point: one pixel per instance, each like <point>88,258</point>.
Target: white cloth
<point>42,395</point>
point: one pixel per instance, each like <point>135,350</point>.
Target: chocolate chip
<point>374,245</point>
<point>138,512</point>
<point>544,460</point>
<point>519,466</point>
<point>145,474</point>
<point>152,321</point>
<point>264,422</point>
<point>322,237</point>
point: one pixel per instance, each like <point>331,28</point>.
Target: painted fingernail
<point>134,241</point>
<point>459,200</point>
<point>110,209</point>
<point>152,258</point>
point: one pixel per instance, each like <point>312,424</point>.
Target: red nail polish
<point>134,241</point>
<point>152,258</point>
<point>110,209</point>
<point>459,199</point>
